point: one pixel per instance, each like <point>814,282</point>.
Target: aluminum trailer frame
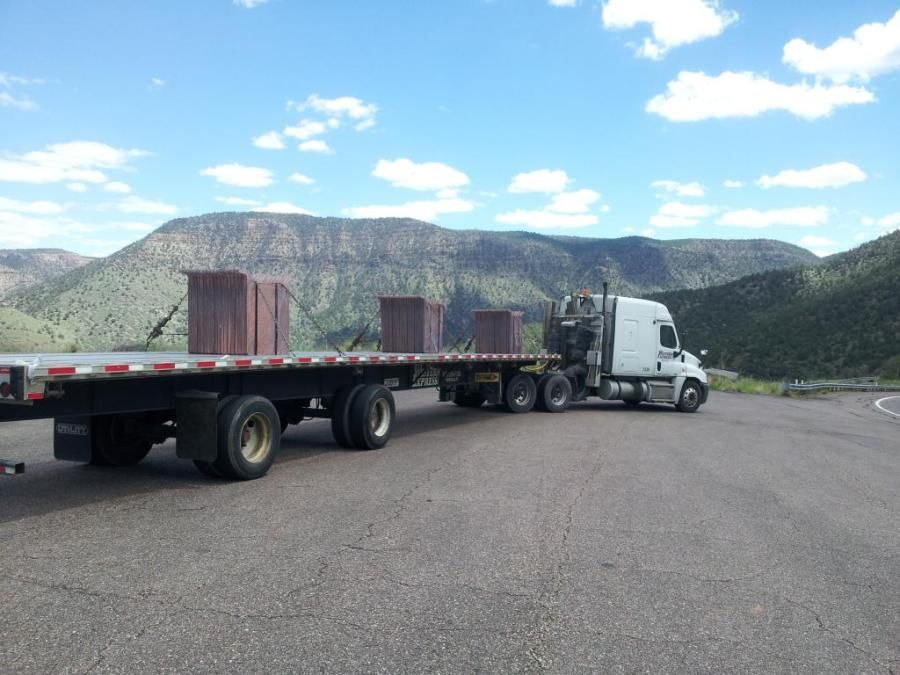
<point>166,394</point>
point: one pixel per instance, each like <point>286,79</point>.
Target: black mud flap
<point>72,439</point>
<point>196,434</point>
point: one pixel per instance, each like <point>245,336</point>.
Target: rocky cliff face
<point>337,266</point>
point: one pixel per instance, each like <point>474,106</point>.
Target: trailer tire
<point>689,400</point>
<point>248,438</point>
<point>520,393</point>
<point>340,414</point>
<point>554,393</point>
<point>469,399</point>
<point>114,444</point>
<point>372,416</point>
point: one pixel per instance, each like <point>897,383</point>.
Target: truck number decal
<point>70,429</point>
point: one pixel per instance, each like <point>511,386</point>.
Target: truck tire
<point>520,393</point>
<point>115,441</point>
<point>689,401</point>
<point>554,393</point>
<point>469,399</point>
<point>248,438</point>
<point>372,417</point>
<point>340,414</point>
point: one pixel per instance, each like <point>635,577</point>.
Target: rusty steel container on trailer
<point>411,323</point>
<point>230,312</point>
<point>498,331</point>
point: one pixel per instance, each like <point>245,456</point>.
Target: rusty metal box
<point>230,312</point>
<point>498,331</point>
<point>411,323</point>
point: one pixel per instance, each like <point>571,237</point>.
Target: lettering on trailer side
<point>425,376</point>
<point>70,429</point>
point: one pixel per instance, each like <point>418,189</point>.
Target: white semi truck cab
<point>619,348</point>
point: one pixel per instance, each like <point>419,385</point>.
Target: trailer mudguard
<point>196,414</point>
<point>72,438</point>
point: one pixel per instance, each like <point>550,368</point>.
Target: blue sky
<point>574,117</point>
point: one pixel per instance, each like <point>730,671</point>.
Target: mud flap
<point>196,415</point>
<point>72,438</point>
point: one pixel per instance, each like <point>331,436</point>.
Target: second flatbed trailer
<point>227,413</point>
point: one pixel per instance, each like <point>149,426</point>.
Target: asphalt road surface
<point>758,535</point>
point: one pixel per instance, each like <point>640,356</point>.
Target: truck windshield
<point>667,336</point>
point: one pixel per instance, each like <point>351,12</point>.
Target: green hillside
<point>841,317</point>
<point>22,333</point>
<point>337,267</point>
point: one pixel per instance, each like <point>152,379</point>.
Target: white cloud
<point>672,22</point>
<point>821,246</point>
<point>20,230</point>
<point>425,176</point>
<point>283,207</point>
<point>78,161</point>
<point>833,175</point>
<point>676,214</point>
<point>696,96</point>
<point>890,221</point>
<point>76,187</point>
<point>117,186</point>
<point>301,179</point>
<point>873,50</point>
<point>563,3</point>
<point>804,216</point>
<point>271,140</point>
<point>239,175</point>
<point>306,129</point>
<point>733,184</point>
<point>680,189</point>
<point>8,100</point>
<point>237,201</point>
<point>542,180</point>
<point>317,145</point>
<point>134,204</point>
<point>250,4</point>
<point>427,210</point>
<point>157,82</point>
<point>355,109</point>
<point>39,207</point>
<point>547,219</point>
<point>578,201</point>
<point>648,232</point>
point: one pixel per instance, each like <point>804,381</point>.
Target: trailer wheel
<point>116,441</point>
<point>520,394</point>
<point>689,400</point>
<point>340,414</point>
<point>554,393</point>
<point>248,438</point>
<point>372,417</point>
<point>469,399</point>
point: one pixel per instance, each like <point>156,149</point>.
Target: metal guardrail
<point>852,384</point>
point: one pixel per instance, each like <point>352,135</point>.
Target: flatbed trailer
<point>227,412</point>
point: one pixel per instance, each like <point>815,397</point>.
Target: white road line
<point>883,409</point>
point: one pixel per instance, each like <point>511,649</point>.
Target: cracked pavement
<point>759,535</point>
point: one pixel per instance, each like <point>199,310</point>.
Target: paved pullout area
<point>759,535</point>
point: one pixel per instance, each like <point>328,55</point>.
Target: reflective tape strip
<point>116,368</point>
<point>34,396</point>
<point>243,363</point>
<point>137,367</point>
<point>163,366</point>
<point>61,370</point>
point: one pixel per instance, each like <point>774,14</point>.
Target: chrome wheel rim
<point>520,395</point>
<point>691,397</point>
<point>557,394</point>
<point>380,417</point>
<point>256,438</point>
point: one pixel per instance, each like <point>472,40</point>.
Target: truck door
<point>667,364</point>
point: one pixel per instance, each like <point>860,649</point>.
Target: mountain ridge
<point>337,266</point>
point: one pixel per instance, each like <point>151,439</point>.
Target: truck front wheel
<point>689,400</point>
<point>249,437</point>
<point>520,393</point>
